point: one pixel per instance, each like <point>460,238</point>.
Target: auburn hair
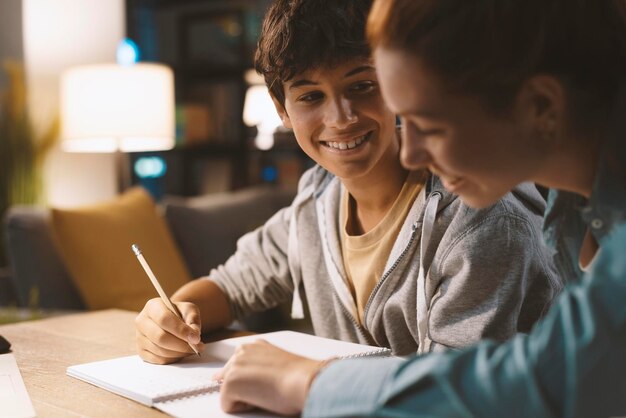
<point>488,48</point>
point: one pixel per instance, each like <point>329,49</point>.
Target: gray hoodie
<point>455,274</point>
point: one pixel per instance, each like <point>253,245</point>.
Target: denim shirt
<point>569,215</point>
<point>572,364</point>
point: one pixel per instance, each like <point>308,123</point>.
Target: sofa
<point>205,230</point>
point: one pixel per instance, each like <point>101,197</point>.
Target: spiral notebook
<point>186,389</point>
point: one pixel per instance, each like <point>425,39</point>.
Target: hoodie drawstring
<point>297,310</point>
<point>430,214</point>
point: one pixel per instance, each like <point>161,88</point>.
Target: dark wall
<point>11,43</point>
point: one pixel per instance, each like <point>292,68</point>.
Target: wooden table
<point>45,348</point>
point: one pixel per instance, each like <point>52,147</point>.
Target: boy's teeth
<point>347,145</point>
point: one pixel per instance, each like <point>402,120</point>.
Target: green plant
<point>22,150</point>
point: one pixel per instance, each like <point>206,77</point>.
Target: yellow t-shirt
<point>365,256</point>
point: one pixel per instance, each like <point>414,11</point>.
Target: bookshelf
<point>210,45</point>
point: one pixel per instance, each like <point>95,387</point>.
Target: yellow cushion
<point>95,243</point>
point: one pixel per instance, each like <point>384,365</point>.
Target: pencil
<point>158,287</point>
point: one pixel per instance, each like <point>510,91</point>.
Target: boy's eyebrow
<point>360,69</point>
<point>305,82</point>
<point>302,82</point>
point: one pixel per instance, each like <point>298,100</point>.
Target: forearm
<point>210,300</point>
<point>436,385</point>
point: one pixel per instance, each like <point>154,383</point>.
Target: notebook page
<point>203,407</point>
<point>306,345</point>
<point>181,388</point>
<point>14,399</point>
<point>144,382</point>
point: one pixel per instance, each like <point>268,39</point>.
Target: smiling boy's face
<point>339,118</point>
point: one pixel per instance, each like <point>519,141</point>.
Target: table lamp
<point>118,108</point>
<point>259,111</point>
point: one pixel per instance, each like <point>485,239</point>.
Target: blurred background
<point>209,45</point>
<point>97,96</point>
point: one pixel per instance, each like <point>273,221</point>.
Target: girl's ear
<point>281,112</point>
<point>543,100</point>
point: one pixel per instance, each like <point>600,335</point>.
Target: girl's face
<point>477,155</point>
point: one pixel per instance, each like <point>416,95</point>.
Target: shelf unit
<point>209,45</point>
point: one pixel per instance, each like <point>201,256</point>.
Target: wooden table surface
<point>45,348</point>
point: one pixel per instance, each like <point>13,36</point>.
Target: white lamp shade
<point>259,109</point>
<point>109,107</point>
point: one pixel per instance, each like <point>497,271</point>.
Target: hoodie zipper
<point>361,328</point>
<point>398,260</point>
<point>391,269</point>
<point>357,325</point>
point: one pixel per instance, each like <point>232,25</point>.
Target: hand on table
<point>264,376</point>
<point>162,338</point>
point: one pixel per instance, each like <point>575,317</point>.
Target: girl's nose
<point>413,153</point>
<point>415,159</point>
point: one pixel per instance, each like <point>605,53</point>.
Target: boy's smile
<point>340,120</point>
<point>346,145</point>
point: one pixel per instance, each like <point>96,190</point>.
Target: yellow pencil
<point>158,288</point>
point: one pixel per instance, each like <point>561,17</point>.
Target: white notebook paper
<point>186,389</point>
<point>14,400</point>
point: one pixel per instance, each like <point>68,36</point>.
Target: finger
<point>144,343</point>
<point>162,338</point>
<point>164,356</point>
<point>169,322</point>
<point>191,316</point>
<point>218,376</point>
<point>239,406</point>
<point>230,403</point>
<point>222,373</point>
<point>150,357</point>
<point>190,313</point>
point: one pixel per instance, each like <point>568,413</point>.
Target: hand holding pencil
<point>161,349</point>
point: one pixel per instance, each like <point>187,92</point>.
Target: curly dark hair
<point>298,35</point>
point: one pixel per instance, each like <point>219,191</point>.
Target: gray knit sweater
<point>485,273</point>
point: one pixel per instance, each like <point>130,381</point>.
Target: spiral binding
<point>381,352</point>
<point>196,391</point>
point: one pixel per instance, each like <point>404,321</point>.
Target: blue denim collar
<point>605,209</point>
<point>568,215</point>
